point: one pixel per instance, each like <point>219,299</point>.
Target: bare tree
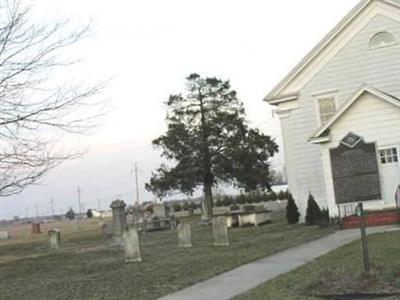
<point>35,112</point>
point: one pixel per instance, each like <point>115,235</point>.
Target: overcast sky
<point>149,47</point>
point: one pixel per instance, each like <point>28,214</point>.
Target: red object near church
<point>36,228</point>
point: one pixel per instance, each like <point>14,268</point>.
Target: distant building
<point>101,214</point>
<point>340,113</point>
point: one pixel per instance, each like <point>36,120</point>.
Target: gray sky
<point>149,47</point>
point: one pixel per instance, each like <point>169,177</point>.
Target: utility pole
<point>135,170</point>
<point>79,199</point>
<point>52,206</point>
<point>36,210</point>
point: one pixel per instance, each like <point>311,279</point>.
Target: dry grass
<point>88,267</point>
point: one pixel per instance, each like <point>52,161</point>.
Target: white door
<point>390,172</point>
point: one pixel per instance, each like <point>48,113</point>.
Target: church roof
<point>275,95</point>
<point>342,110</point>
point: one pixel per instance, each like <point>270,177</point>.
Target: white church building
<point>339,110</point>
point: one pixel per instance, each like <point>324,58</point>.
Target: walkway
<point>246,277</point>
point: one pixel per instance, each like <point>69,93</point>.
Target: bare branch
<point>34,112</point>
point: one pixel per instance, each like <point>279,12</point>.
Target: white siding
<point>376,120</point>
<point>354,65</point>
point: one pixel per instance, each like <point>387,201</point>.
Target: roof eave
<point>317,49</point>
<point>364,88</point>
<point>281,99</point>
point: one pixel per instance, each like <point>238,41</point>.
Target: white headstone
<point>4,235</point>
<point>184,230</point>
<point>220,231</point>
<point>132,245</point>
<point>55,238</point>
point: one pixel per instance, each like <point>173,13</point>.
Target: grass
<point>339,273</point>
<point>89,268</point>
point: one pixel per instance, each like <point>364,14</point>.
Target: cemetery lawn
<point>87,267</point>
<point>338,273</point>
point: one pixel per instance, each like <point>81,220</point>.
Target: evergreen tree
<point>70,214</point>
<point>208,141</point>
<point>313,215</point>
<point>292,212</point>
<point>89,214</point>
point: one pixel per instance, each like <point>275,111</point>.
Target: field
<point>88,266</point>
<point>340,273</point>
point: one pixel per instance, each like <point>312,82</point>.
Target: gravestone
<point>54,238</point>
<point>132,245</point>
<point>36,228</point>
<point>4,235</point>
<point>184,231</point>
<point>119,217</point>
<point>173,222</point>
<point>355,171</point>
<point>161,211</point>
<point>220,231</point>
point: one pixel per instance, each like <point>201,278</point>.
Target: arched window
<point>382,39</point>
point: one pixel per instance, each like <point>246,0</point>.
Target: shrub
<point>257,197</point>
<point>70,214</point>
<point>192,206</point>
<point>218,203</point>
<point>241,199</point>
<point>177,207</point>
<point>227,201</point>
<point>324,218</point>
<point>185,206</point>
<point>313,214</point>
<point>89,214</point>
<point>272,196</point>
<point>282,195</point>
<point>249,198</point>
<point>264,197</point>
<point>292,212</point>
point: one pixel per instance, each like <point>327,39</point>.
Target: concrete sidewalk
<point>246,277</point>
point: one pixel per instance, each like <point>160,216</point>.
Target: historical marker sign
<point>355,171</point>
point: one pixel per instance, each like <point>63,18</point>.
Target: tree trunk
<point>207,204</point>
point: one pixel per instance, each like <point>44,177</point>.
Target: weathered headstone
<point>161,211</point>
<point>4,235</point>
<point>55,238</point>
<point>36,228</point>
<point>132,245</point>
<point>173,222</point>
<point>220,231</point>
<point>119,217</point>
<point>184,230</point>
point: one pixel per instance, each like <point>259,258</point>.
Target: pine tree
<point>313,214</point>
<point>292,212</point>
<point>208,141</point>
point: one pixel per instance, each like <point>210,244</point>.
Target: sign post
<point>360,214</point>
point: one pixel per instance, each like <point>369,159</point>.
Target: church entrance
<point>390,172</point>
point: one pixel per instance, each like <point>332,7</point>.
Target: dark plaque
<point>355,171</point>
